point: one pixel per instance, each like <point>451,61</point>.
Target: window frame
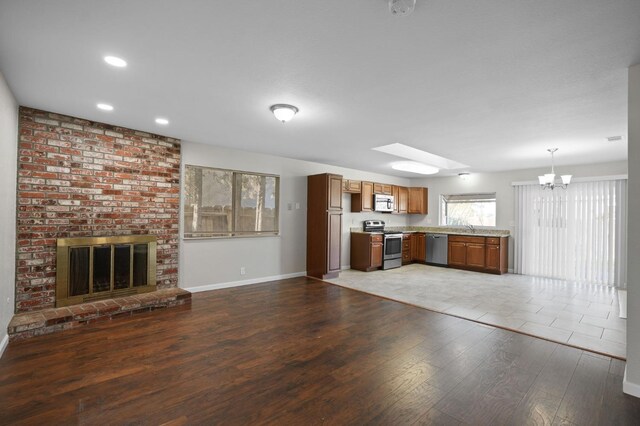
<point>444,202</point>
<point>236,194</point>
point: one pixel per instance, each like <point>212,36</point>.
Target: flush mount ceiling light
<point>548,181</point>
<point>162,121</point>
<point>115,61</point>
<point>105,107</point>
<point>414,167</point>
<point>283,112</point>
<point>402,7</point>
<point>463,175</point>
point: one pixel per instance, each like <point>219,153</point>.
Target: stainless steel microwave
<point>383,203</point>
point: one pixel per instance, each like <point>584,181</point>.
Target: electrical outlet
<point>289,206</point>
<point>242,270</point>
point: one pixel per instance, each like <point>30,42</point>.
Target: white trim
<point>345,267</point>
<point>579,179</point>
<point>510,271</point>
<point>209,287</point>
<point>629,388</point>
<point>3,344</point>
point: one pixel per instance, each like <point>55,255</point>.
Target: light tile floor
<point>582,315</point>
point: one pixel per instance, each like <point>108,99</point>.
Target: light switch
<point>297,206</point>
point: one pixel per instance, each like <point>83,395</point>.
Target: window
<point>227,203</point>
<point>468,209</point>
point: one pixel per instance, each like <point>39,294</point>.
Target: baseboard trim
<point>629,388</point>
<point>510,271</point>
<point>344,268</point>
<point>3,344</point>
<point>218,286</point>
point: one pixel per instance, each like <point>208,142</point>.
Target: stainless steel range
<point>392,248</point>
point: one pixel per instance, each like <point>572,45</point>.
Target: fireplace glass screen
<point>122,265</point>
<point>79,270</point>
<point>104,267</point>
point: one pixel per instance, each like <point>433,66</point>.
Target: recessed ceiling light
<point>115,61</point>
<point>162,121</point>
<point>105,107</point>
<point>414,167</point>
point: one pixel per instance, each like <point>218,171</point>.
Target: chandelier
<point>549,180</point>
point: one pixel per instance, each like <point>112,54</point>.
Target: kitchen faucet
<point>471,228</point>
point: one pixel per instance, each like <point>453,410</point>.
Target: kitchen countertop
<point>443,230</point>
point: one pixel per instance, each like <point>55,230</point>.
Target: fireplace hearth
<point>95,268</point>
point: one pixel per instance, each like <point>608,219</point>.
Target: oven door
<point>392,246</point>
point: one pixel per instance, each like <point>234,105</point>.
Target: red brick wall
<point>78,178</point>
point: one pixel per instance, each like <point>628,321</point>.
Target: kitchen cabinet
<point>382,188</point>
<point>419,247</point>
<point>351,186</point>
<point>406,249</point>
<point>486,254</point>
<point>366,251</point>
<point>324,225</point>
<point>418,201</point>
<point>403,200</point>
<point>497,255</point>
<point>363,202</point>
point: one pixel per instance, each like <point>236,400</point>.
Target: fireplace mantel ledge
<point>46,321</point>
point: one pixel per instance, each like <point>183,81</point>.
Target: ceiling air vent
<point>614,138</point>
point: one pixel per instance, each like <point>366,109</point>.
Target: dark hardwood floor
<point>301,351</point>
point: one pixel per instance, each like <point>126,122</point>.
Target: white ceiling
<point>488,83</point>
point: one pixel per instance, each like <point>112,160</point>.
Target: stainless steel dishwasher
<point>437,249</point>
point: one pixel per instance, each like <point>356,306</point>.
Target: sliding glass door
<point>575,234</point>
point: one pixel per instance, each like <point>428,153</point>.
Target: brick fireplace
<point>78,178</point>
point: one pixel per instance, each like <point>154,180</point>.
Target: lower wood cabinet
<point>486,254</point>
<point>419,247</point>
<point>366,251</point>
<point>406,249</point>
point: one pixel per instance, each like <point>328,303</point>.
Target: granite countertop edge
<point>439,230</point>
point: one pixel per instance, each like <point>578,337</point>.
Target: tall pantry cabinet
<point>324,225</point>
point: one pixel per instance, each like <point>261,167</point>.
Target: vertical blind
<point>576,234</point>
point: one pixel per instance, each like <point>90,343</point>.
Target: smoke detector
<point>402,7</point>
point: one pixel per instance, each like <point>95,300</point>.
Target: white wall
<point>500,183</point>
<point>209,262</point>
<point>632,376</point>
<point>8,173</point>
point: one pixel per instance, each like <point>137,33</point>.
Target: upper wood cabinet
<point>403,200</point>
<point>382,188</point>
<point>335,192</point>
<point>351,186</point>
<point>363,202</point>
<point>418,201</point>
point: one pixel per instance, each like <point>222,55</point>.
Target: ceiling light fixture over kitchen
<point>162,121</point>
<point>414,167</point>
<point>105,107</point>
<point>115,61</point>
<point>402,7</point>
<point>549,180</point>
<point>283,112</point>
